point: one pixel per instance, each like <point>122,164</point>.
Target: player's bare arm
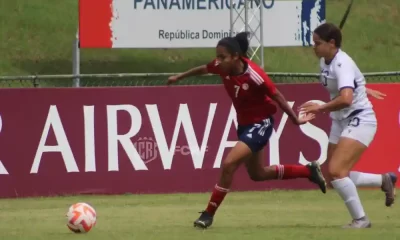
<point>283,104</point>
<point>196,71</point>
<point>374,93</point>
<point>340,102</point>
<point>344,100</point>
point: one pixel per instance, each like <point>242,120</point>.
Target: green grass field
<point>272,215</point>
<point>37,35</point>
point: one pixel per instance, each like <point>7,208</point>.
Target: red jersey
<point>249,92</point>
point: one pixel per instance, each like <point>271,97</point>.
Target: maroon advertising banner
<point>139,140</point>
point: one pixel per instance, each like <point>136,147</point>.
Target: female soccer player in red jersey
<point>252,92</point>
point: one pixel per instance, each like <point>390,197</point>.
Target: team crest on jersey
<point>245,86</point>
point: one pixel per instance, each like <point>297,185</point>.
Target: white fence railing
<point>278,77</point>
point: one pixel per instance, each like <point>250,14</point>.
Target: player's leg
<point>257,137</point>
<point>386,181</point>
<point>331,149</point>
<point>259,172</point>
<point>346,154</point>
<point>353,142</point>
<point>360,179</point>
<point>230,164</point>
<point>334,136</point>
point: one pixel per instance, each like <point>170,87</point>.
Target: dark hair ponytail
<point>236,45</point>
<point>242,39</point>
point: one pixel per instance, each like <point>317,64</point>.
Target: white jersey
<point>341,73</point>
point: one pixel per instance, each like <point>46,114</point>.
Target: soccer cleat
<point>389,187</point>
<point>204,221</point>
<point>359,223</point>
<point>316,176</point>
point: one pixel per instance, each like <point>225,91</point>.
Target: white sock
<point>348,191</point>
<point>361,179</point>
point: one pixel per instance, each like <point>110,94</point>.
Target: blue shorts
<point>256,136</point>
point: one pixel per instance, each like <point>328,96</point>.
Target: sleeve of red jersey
<point>213,67</point>
<point>263,80</point>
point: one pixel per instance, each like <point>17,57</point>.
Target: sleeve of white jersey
<point>345,74</point>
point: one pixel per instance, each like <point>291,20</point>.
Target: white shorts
<point>361,127</point>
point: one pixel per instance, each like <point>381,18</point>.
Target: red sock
<point>292,171</point>
<point>216,199</point>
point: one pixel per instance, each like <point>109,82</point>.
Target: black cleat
<point>389,187</point>
<point>204,221</point>
<point>316,176</point>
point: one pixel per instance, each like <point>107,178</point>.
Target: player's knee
<point>228,167</point>
<point>337,173</point>
<point>256,177</point>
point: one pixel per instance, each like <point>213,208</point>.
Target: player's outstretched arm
<point>200,70</point>
<point>344,100</point>
<point>283,104</point>
<point>278,97</point>
<point>376,94</point>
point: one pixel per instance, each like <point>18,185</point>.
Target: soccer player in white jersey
<point>354,123</point>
